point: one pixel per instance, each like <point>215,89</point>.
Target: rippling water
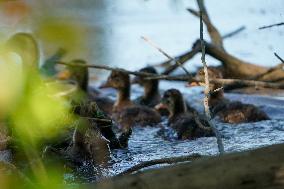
<point>145,144</point>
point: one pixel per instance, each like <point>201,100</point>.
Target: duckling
<point>81,76</point>
<point>187,123</point>
<point>124,110</point>
<point>151,95</point>
<point>226,110</point>
<point>91,140</point>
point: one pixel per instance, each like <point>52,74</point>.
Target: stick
<point>150,76</point>
<point>207,89</point>
<point>272,25</point>
<point>166,55</point>
<point>238,30</point>
<point>143,74</point>
<point>171,160</point>
<point>213,32</point>
<point>279,57</point>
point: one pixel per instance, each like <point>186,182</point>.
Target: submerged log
<point>260,168</point>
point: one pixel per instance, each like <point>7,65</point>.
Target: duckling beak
<point>195,84</point>
<point>160,106</point>
<point>64,75</point>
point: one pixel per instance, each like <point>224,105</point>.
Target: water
<point>113,36</point>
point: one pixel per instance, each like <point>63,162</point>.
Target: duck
<point>92,139</point>
<point>227,111</point>
<point>187,123</point>
<point>151,96</point>
<point>124,111</point>
<point>80,75</point>
<point>90,136</point>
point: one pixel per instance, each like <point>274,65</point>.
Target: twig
<point>207,89</point>
<point>272,25</point>
<point>240,29</point>
<point>150,76</point>
<point>279,66</point>
<point>143,74</point>
<point>279,57</point>
<point>160,161</point>
<point>166,54</point>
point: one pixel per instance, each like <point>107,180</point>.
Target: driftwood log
<point>233,67</point>
<point>260,168</point>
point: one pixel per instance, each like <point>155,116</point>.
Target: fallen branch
<point>272,25</point>
<point>143,74</point>
<point>183,58</point>
<point>207,83</point>
<point>213,32</point>
<point>185,78</point>
<point>171,160</point>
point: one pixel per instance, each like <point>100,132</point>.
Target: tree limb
<point>272,25</point>
<point>171,160</point>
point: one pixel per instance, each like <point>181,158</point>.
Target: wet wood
<point>260,168</point>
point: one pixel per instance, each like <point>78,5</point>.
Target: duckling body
<point>124,110</point>
<point>230,111</point>
<point>187,123</point>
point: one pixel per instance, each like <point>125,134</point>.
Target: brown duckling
<point>230,111</point>
<point>92,138</point>
<point>187,123</point>
<point>124,110</point>
<point>81,76</point>
<point>151,95</point>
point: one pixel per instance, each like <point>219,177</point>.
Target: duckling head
<point>143,82</point>
<point>79,74</point>
<point>173,101</point>
<point>117,80</point>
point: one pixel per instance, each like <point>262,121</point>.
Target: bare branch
<point>166,54</point>
<point>272,25</point>
<point>207,89</point>
<point>279,57</point>
<point>150,76</point>
<point>101,67</point>
<point>212,30</point>
<point>233,33</point>
<point>171,160</point>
